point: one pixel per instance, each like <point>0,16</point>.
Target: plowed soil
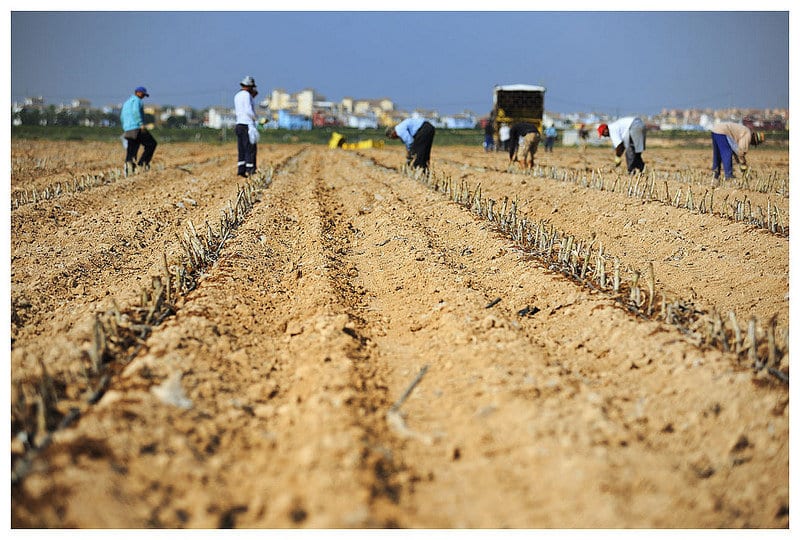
<point>364,352</point>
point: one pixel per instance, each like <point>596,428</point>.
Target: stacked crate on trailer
<point>514,103</point>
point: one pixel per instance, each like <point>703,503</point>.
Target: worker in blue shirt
<point>550,135</point>
<point>417,134</point>
<point>135,132</point>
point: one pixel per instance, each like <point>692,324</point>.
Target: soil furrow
<point>544,360</point>
<point>367,353</point>
<point>722,265</point>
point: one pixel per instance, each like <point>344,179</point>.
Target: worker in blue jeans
<point>731,142</point>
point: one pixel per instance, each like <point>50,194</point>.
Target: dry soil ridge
<point>317,317</point>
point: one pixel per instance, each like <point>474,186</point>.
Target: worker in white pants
<point>628,135</point>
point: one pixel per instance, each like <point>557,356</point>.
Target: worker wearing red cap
<point>628,135</point>
<point>732,141</point>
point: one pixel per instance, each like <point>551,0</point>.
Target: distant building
<point>465,120</point>
<point>220,117</point>
<point>362,121</point>
<point>37,101</point>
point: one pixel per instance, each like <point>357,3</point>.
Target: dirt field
<point>358,350</point>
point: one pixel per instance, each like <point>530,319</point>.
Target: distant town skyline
<point>615,62</point>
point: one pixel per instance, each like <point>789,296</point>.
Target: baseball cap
<point>602,128</point>
<point>143,90</point>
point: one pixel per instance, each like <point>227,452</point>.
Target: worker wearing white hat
<point>246,131</point>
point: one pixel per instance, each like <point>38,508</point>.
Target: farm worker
<point>524,140</point>
<point>135,132</point>
<point>488,136</point>
<point>732,141</point>
<point>504,132</point>
<point>417,134</point>
<point>246,131</point>
<point>628,135</point>
<point>583,135</point>
<point>550,135</point>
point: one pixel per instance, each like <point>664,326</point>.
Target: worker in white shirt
<point>246,131</point>
<point>628,136</point>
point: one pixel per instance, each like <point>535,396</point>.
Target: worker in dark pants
<point>629,137</point>
<point>246,131</point>
<point>135,132</point>
<point>417,134</point>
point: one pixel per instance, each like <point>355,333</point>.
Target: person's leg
<point>131,151</point>
<point>250,161</point>
<point>149,143</point>
<point>638,162</point>
<point>421,147</point>
<point>633,158</point>
<point>716,157</point>
<point>534,146</point>
<point>726,156</point>
<point>524,149</point>
<point>131,147</point>
<point>242,140</point>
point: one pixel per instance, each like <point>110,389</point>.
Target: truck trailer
<point>514,103</point>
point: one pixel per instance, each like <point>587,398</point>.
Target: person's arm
<point>404,133</point>
<point>140,113</point>
<point>252,111</point>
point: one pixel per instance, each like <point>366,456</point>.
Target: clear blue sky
<point>614,62</point>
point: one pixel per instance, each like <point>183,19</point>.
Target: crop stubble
<point>345,281</point>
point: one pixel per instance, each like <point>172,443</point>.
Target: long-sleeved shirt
<point>739,136</point>
<point>407,129</point>
<point>245,108</point>
<point>621,133</point>
<point>132,114</point>
<point>619,130</point>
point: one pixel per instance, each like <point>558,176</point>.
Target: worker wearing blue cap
<point>136,133</point>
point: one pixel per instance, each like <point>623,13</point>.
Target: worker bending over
<point>628,135</point>
<point>523,142</point>
<point>417,134</point>
<point>732,141</point>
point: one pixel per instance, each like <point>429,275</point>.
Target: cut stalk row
<point>83,183</point>
<point>764,348</point>
<point>652,186</point>
<point>119,334</point>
